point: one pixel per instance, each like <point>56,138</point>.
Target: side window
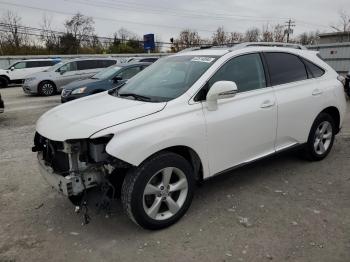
<point>285,68</point>
<point>32,64</point>
<point>246,71</point>
<point>106,63</point>
<point>72,66</point>
<point>313,70</point>
<point>20,65</point>
<point>129,72</point>
<point>86,64</point>
<point>46,63</point>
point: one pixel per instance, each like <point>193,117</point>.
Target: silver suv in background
<point>50,81</point>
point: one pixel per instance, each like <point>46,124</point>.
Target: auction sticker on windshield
<point>203,59</point>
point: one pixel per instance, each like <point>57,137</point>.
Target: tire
<point>321,138</point>
<point>4,82</point>
<point>161,205</point>
<point>47,88</point>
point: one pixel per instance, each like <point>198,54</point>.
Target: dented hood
<point>84,117</point>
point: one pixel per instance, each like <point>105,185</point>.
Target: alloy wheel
<point>323,137</point>
<point>48,89</point>
<point>165,193</point>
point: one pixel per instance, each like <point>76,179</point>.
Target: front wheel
<point>47,88</point>
<point>3,82</point>
<point>158,193</point>
<point>321,138</point>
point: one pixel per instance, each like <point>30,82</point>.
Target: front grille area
<point>52,153</point>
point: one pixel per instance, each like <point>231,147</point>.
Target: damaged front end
<point>74,166</point>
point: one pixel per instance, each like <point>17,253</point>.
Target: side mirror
<point>117,78</point>
<point>62,71</point>
<point>220,90</point>
<point>12,68</point>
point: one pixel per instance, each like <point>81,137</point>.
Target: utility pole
<point>289,29</point>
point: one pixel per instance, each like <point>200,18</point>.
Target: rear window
<point>313,70</point>
<point>285,68</point>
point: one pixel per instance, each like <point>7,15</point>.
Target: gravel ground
<point>279,209</point>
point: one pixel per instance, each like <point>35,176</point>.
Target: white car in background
<point>50,81</point>
<point>18,71</point>
<point>187,118</point>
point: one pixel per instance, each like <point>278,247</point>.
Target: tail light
<point>342,79</point>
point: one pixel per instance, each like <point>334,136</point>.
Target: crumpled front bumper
<point>70,185</point>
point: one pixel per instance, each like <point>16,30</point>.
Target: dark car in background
<point>347,83</point>
<point>105,80</point>
<point>2,106</point>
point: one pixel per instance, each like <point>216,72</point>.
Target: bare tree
<point>278,33</point>
<point>344,22</point>
<point>187,38</point>
<point>48,35</point>
<point>220,37</point>
<point>267,34</point>
<point>14,32</point>
<point>236,37</point>
<point>80,27</point>
<point>309,38</point>
<point>252,35</point>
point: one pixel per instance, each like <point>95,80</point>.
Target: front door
<point>243,128</point>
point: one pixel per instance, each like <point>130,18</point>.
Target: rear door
<point>299,97</point>
<point>66,74</point>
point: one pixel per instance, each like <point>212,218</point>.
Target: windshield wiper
<point>136,96</point>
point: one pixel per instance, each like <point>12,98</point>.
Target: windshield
<point>107,73</point>
<point>167,79</point>
<point>55,67</point>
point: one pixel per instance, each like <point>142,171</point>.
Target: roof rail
<point>272,44</point>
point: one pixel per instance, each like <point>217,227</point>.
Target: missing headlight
<point>97,149</point>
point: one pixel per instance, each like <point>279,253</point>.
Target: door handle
<point>267,104</point>
<point>317,92</point>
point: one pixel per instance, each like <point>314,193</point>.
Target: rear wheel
<point>321,138</point>
<point>47,88</point>
<point>159,192</point>
<point>3,82</point>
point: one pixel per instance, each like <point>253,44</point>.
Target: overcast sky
<point>166,18</point>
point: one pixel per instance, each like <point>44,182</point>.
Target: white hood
<point>84,117</point>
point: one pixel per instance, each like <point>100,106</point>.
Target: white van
<point>18,71</point>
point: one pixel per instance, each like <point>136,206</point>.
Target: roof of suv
<point>222,50</point>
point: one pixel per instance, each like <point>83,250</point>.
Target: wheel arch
<point>335,114</point>
<point>6,77</point>
<point>190,155</point>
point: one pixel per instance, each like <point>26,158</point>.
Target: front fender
<point>137,140</point>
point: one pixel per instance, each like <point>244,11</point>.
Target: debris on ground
<point>244,221</point>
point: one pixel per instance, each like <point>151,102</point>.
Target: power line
<point>183,12</point>
<point>98,18</point>
<point>34,31</point>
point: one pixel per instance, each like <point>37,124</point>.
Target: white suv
<point>18,71</point>
<point>186,118</point>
